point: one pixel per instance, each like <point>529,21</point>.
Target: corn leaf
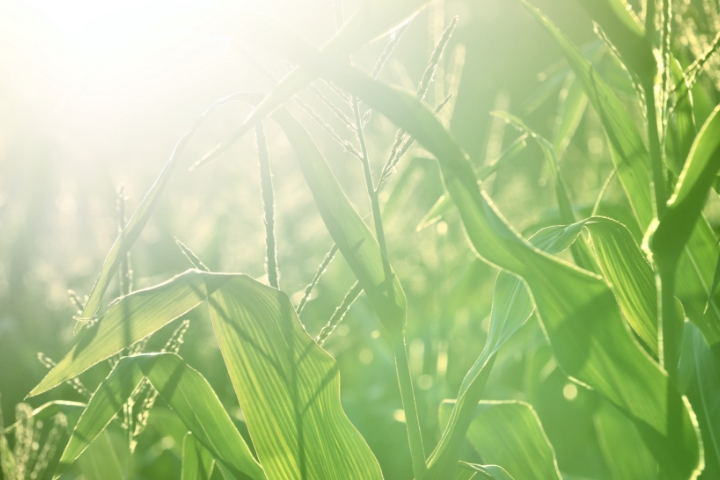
<point>511,308</point>
<point>351,234</point>
<point>707,382</point>
<point>197,462</point>
<point>129,320</point>
<point>510,435</point>
<point>629,274</point>
<point>288,387</point>
<point>187,393</point>
<point>296,391</point>
<point>100,460</point>
<point>622,447</point>
<point>572,109</point>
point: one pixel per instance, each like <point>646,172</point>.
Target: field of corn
<point>360,239</point>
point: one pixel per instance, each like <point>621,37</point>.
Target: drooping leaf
<point>181,387</point>
<point>129,320</point>
<point>288,386</point>
<point>355,240</point>
<point>622,446</point>
<point>629,274</point>
<point>509,434</point>
<point>197,462</point>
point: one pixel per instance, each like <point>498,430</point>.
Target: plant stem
<point>403,369</point>
<point>412,422</point>
<point>268,205</point>
<point>374,201</point>
<point>658,171</point>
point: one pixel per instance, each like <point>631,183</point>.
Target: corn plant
<point>627,297</point>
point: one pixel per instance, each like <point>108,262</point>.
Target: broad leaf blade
<point>622,446</point>
<point>197,462</point>
<point>629,274</point>
<point>288,387</point>
<point>129,320</point>
<point>510,435</point>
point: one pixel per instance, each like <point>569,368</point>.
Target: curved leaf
<point>629,274</point>
<point>510,435</point>
<point>197,462</point>
<point>129,320</point>
<point>188,394</point>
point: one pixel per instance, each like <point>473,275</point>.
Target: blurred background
<point>94,96</point>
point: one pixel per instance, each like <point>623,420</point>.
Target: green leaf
<point>572,108</point>
<point>197,462</point>
<point>695,271</point>
<point>511,308</point>
<point>129,320</point>
<point>288,387</point>
<point>629,274</point>
<point>100,460</point>
<point>707,381</point>
<point>669,236</point>
<point>682,128</point>
<point>351,234</point>
<point>622,446</point>
<point>188,394</point>
<point>510,435</point>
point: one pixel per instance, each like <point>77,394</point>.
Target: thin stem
<point>125,270</point>
<point>339,314</point>
<point>658,172</point>
<point>417,451</point>
<point>374,201</point>
<point>319,273</point>
<point>268,205</point>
